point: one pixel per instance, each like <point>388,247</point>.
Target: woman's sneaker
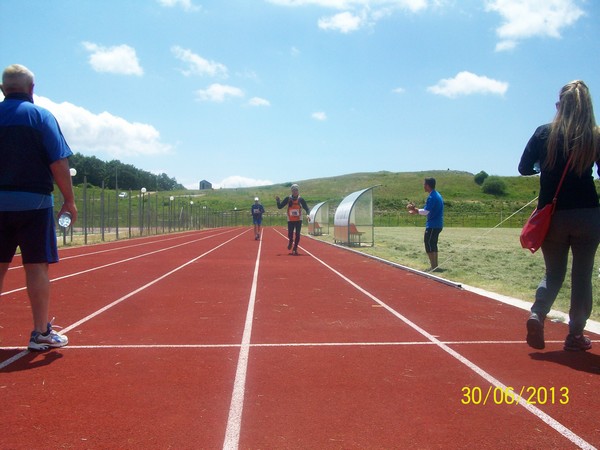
<point>535,332</point>
<point>49,339</point>
<point>577,343</point>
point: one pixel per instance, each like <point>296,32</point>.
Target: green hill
<point>392,193</point>
<point>466,202</point>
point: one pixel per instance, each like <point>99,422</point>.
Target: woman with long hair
<point>572,138</point>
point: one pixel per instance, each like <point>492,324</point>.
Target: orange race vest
<point>294,210</point>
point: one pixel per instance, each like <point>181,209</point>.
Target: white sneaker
<point>44,341</point>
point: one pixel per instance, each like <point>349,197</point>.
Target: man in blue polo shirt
<point>34,156</point>
<point>434,211</point>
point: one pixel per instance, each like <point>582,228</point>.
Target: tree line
<point>116,175</point>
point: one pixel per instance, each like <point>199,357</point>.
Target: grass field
<point>490,259</point>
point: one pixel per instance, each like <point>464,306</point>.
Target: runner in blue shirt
<point>257,212</point>
<point>434,211</point>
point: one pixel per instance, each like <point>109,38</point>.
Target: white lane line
<point>284,345</point>
<point>113,249</point>
<point>234,421</point>
<point>553,423</point>
<point>92,269</point>
<point>125,297</point>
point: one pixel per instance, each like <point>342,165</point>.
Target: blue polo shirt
<point>435,206</point>
<point>30,141</point>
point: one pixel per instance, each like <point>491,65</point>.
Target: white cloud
<point>187,5</point>
<point>197,65</point>
<point>357,13</point>
<point>237,181</point>
<point>257,101</point>
<point>120,59</point>
<point>94,134</point>
<point>344,22</point>
<point>506,45</point>
<point>524,19</point>
<point>467,83</point>
<point>319,116</point>
<point>218,92</point>
<point>399,90</point>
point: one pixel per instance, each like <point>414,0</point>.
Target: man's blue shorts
<point>257,220</point>
<point>33,231</point>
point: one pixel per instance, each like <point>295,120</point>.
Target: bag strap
<point>562,178</point>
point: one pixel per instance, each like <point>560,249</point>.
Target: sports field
<point>210,339</point>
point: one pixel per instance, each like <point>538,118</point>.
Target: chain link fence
<point>108,215</point>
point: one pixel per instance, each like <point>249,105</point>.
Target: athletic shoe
<point>295,252</point>
<point>290,245</point>
<point>49,339</point>
<point>535,332</point>
<point>577,343</point>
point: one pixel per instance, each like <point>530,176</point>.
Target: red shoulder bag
<point>536,228</point>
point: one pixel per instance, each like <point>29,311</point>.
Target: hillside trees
<point>480,178</point>
<point>494,185</point>
<point>114,173</point>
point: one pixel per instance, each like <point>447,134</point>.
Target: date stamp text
<point>532,395</point>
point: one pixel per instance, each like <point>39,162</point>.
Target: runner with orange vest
<point>294,204</point>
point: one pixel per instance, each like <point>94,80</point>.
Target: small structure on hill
<point>205,185</point>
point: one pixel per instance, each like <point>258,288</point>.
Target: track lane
<point>176,391</point>
<point>491,334</point>
<point>477,426</point>
<point>102,273</point>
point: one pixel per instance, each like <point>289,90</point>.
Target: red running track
<point>214,340</point>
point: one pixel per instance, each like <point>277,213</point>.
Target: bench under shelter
<point>353,222</point>
<point>319,219</point>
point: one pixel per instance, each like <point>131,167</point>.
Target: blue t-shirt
<point>30,141</point>
<point>435,206</point>
<point>257,210</point>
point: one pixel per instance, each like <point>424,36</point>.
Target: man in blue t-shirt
<point>434,211</point>
<point>257,212</point>
<point>34,156</point>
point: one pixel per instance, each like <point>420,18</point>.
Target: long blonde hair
<point>573,130</point>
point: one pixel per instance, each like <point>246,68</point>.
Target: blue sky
<point>254,92</point>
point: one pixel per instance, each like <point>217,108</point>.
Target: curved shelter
<point>353,223</point>
<point>319,219</point>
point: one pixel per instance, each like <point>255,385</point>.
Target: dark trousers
<point>577,230</point>
<point>294,227</point>
<point>430,239</point>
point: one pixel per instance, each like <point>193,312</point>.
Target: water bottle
<point>64,220</point>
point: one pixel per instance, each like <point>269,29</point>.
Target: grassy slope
<point>393,191</point>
